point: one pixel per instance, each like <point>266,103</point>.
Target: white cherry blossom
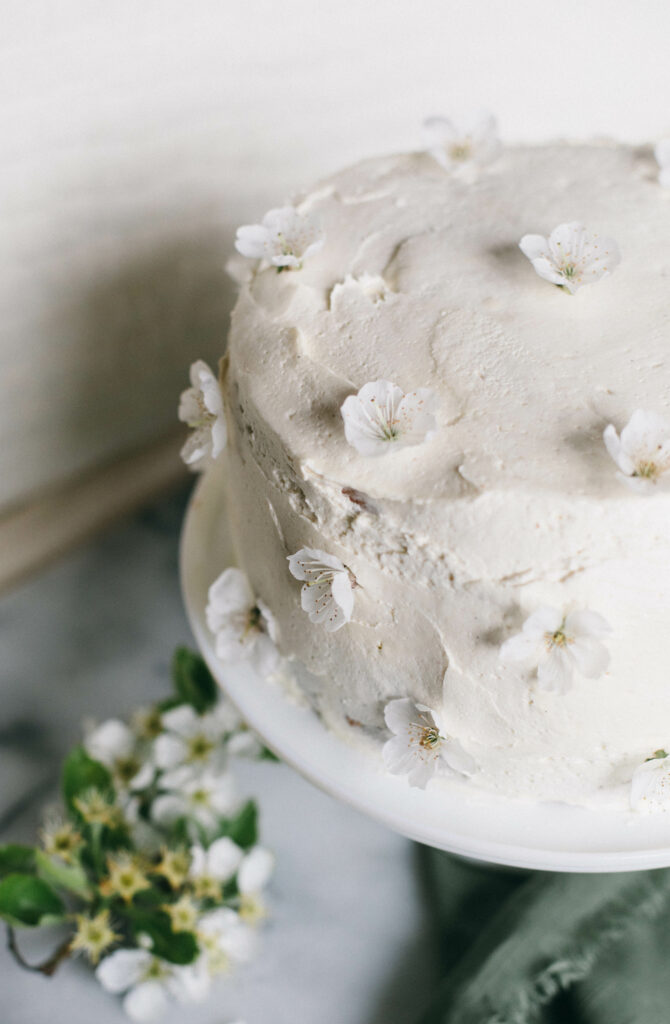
<point>642,452</point>
<point>255,870</point>
<point>421,746</point>
<point>116,746</point>
<point>460,146</point>
<point>558,646</point>
<point>285,238</point>
<point>224,940</point>
<point>205,795</point>
<point>219,861</point>
<point>327,594</point>
<point>571,256</point>
<point>190,738</point>
<point>201,407</point>
<point>243,627</point>
<point>382,416</point>
<point>150,983</point>
<point>650,785</point>
<point>662,154</point>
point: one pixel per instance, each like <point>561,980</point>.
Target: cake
<point>494,589</point>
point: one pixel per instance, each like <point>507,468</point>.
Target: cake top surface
<point>421,282</point>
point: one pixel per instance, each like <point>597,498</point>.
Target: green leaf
<point>149,898</point>
<point>243,828</point>
<point>28,900</point>
<point>81,773</point>
<point>193,680</point>
<point>177,947</point>
<point>267,755</point>
<point>15,857</point>
<point>63,876</point>
<point>169,704</point>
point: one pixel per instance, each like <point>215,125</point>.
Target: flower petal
<point>255,870</point>
<point>554,673</point>
<point>111,740</point>
<point>146,1002</point>
<point>590,656</point>
<point>534,247</point>
<point>169,751</point>
<point>457,758</point>
<point>167,807</point>
<point>183,720</point>
<point>122,969</point>
<point>650,785</point>
<point>398,714</point>
<point>223,859</point>
<point>230,593</point>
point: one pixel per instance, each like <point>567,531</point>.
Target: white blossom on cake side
<point>650,785</point>
<point>571,256</point>
<point>201,407</point>
<point>459,146</point>
<point>420,746</point>
<point>662,154</point>
<point>642,451</point>
<point>327,593</point>
<point>558,646</point>
<point>285,238</point>
<point>382,416</point>
<point>243,626</point>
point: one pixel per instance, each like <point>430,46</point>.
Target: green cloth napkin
<point>524,947</point>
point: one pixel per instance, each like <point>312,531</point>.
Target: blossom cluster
<point>153,864</point>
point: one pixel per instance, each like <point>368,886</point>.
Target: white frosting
<point>514,502</point>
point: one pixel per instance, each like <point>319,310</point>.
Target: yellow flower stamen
<point>251,908</point>
<point>61,839</point>
<point>183,914</point>
<point>97,809</point>
<point>93,935</point>
<point>126,877</point>
<point>173,866</point>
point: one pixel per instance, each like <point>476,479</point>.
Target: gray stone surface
<point>347,942</point>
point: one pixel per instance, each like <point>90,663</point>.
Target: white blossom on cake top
<point>642,452</point>
<point>571,256</point>
<point>559,646</point>
<point>243,626</point>
<point>457,146</point>
<point>650,785</point>
<point>201,407</point>
<point>420,747</point>
<point>382,416</point>
<point>662,154</point>
<point>285,238</point>
<point>327,593</point>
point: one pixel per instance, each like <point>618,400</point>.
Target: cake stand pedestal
<point>449,815</point>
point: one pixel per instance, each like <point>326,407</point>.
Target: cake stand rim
<point>299,738</point>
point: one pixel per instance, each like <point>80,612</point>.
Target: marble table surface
<point>349,940</point>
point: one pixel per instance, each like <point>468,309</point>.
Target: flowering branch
<point>153,865</point>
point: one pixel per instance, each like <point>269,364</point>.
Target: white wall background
<point>135,136</point>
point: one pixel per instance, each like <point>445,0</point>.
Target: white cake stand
<point>455,817</point>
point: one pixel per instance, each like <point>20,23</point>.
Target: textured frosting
<point>514,502</point>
